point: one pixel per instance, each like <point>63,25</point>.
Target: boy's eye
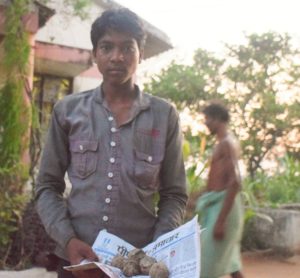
<point>105,47</point>
<point>128,49</point>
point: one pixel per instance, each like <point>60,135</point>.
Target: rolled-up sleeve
<point>50,186</point>
<point>173,193</point>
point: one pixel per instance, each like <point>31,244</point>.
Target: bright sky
<point>210,23</point>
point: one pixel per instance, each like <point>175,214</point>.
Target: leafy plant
<point>11,207</point>
<point>280,188</point>
<point>15,118</point>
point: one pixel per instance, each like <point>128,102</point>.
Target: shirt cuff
<point>64,240</point>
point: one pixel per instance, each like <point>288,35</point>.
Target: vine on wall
<point>15,118</point>
<point>18,120</point>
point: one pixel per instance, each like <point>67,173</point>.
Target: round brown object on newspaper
<point>131,268</point>
<point>146,263</point>
<point>118,261</point>
<point>136,254</point>
<point>159,270</point>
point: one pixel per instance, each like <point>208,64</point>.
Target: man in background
<point>220,208</point>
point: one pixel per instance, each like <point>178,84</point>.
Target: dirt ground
<point>256,265</point>
<point>262,265</point>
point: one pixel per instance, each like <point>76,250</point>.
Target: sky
<point>209,24</point>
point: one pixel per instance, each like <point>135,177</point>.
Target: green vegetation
<point>189,86</point>
<point>280,188</point>
<point>263,71</point>
<point>18,121</point>
<point>15,118</point>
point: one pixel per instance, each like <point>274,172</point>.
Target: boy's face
<point>117,56</point>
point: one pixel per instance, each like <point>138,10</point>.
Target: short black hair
<point>121,20</point>
<point>217,110</point>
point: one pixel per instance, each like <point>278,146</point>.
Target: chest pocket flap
<point>83,158</point>
<point>83,146</point>
<point>147,169</point>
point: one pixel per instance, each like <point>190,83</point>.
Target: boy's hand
<point>219,230</point>
<point>78,250</point>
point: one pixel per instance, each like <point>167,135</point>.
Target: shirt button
<point>112,160</point>
<point>150,158</point>
<point>107,200</point>
<point>110,174</point>
<point>113,143</point>
<point>113,129</point>
<point>105,218</point>
<point>80,147</point>
<point>109,187</point>
<point>110,118</point>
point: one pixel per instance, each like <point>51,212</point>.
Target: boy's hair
<point>121,20</point>
<point>217,111</point>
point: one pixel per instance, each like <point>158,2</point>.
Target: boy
<point>119,146</point>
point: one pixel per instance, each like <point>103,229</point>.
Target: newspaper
<point>178,249</point>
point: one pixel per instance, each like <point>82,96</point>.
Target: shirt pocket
<point>147,169</point>
<point>83,158</point>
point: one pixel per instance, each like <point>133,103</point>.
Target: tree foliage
<point>189,86</point>
<point>253,79</point>
<point>282,188</point>
<point>261,73</point>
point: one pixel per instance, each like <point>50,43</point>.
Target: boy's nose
<point>117,55</point>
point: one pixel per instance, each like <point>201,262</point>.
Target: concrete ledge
<point>276,229</point>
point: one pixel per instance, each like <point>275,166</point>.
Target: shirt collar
<point>141,102</point>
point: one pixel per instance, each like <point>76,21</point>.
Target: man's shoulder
<point>229,145</point>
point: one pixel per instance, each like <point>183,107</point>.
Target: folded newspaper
<point>178,249</point>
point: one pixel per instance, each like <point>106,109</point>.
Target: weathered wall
<point>276,229</point>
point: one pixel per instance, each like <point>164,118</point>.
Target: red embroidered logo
<point>150,132</point>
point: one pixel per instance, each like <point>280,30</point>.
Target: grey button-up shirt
<point>115,172</point>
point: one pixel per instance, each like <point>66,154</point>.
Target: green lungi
<point>220,257</point>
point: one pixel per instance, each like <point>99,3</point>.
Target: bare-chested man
<point>220,207</point>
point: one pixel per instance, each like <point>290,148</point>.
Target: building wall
<point>81,84</point>
<point>69,30</point>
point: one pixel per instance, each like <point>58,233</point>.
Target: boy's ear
<point>94,55</point>
<point>141,56</point>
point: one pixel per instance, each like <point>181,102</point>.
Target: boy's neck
<point>122,93</point>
